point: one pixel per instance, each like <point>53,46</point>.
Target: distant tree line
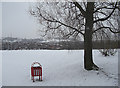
<point>70,45</point>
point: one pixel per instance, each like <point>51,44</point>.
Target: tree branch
<point>54,20</point>
<point>55,27</point>
<point>69,34</point>
<point>71,27</point>
<point>80,8</point>
<point>105,7</point>
<point>103,19</point>
<point>106,28</point>
<point>99,9</point>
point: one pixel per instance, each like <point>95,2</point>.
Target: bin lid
<point>36,64</point>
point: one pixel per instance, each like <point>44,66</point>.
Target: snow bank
<point>60,68</point>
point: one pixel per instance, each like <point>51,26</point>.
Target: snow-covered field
<point>0,69</point>
<point>60,68</point>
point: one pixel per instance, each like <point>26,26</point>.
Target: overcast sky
<point>17,22</point>
<point>0,19</point>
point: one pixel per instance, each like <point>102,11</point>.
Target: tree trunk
<point>88,59</point>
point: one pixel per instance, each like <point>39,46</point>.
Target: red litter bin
<point>36,70</point>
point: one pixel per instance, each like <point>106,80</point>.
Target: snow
<point>60,68</point>
<point>36,65</point>
<point>0,69</point>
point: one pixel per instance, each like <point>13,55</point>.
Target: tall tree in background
<point>73,19</point>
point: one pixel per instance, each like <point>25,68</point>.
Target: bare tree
<point>78,19</point>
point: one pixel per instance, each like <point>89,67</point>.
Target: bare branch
<point>55,27</point>
<point>54,20</point>
<point>99,9</point>
<point>69,34</point>
<point>80,8</point>
<point>71,27</point>
<point>106,28</point>
<point>105,7</point>
<point>103,19</point>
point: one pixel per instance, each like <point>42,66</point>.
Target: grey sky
<point>0,19</point>
<point>17,22</point>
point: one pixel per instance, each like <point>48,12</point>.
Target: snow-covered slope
<point>60,68</point>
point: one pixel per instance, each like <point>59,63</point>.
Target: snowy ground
<point>60,68</point>
<point>0,69</point>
